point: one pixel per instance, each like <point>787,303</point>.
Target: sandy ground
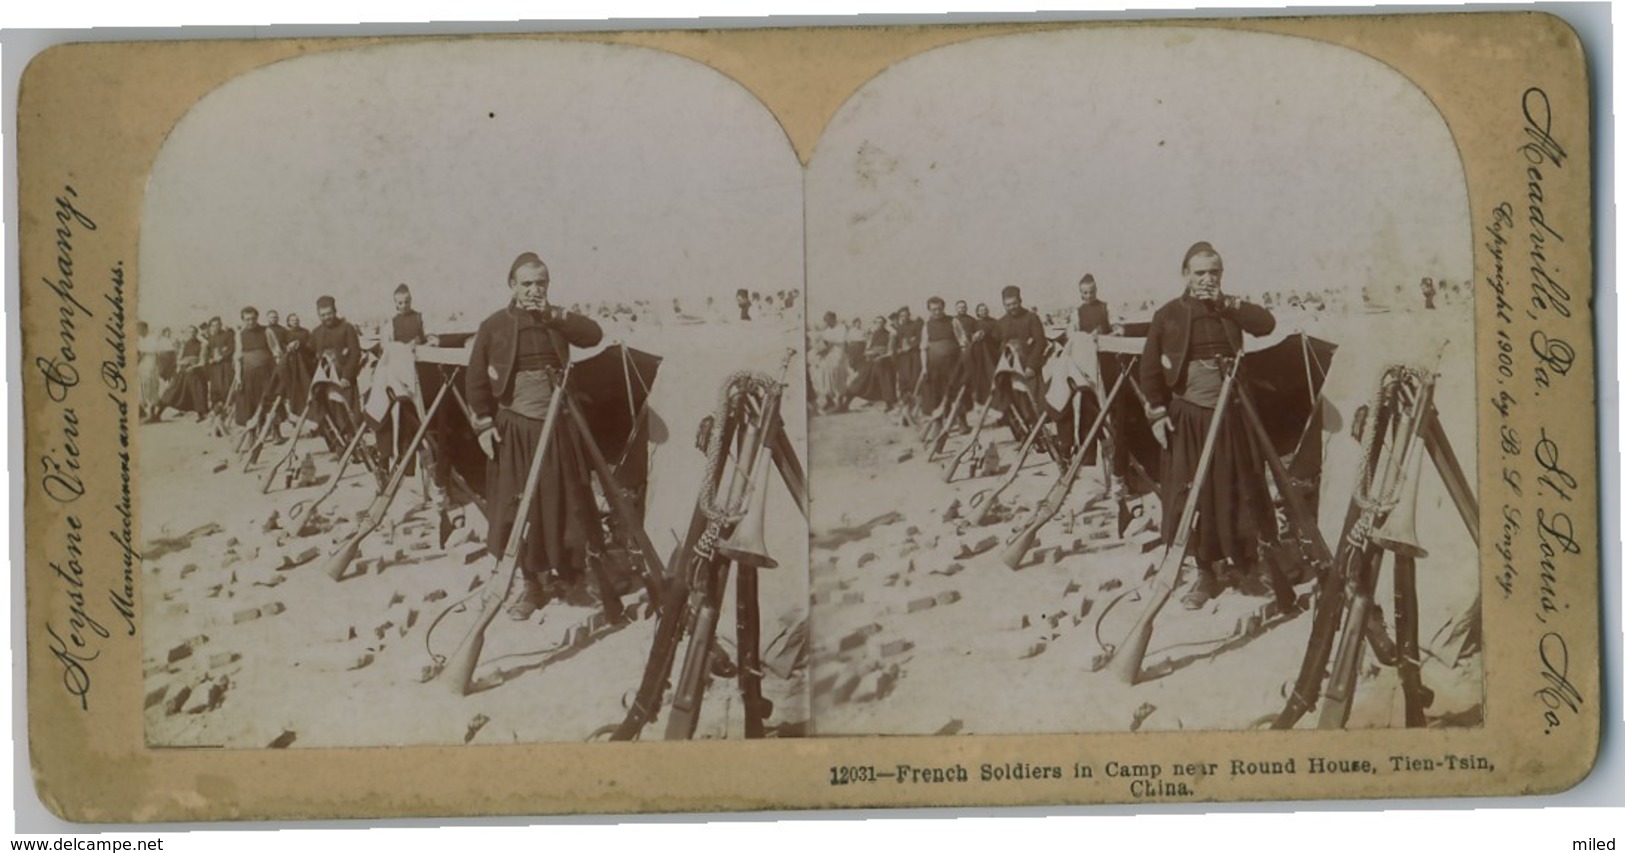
<point>916,627</point>
<point>247,643</point>
<point>920,628</point>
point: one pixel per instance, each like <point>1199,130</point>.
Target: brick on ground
<point>980,546</point>
<point>177,701</point>
<point>895,647</point>
<point>301,557</point>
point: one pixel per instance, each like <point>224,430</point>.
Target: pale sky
<point>634,173</point>
<point>1032,159</point>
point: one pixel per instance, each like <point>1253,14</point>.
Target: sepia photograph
<point>1040,413</point>
<point>468,371</point>
<point>1109,321</point>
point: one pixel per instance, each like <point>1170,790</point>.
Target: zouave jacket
<point>496,349</point>
<point>1167,344</point>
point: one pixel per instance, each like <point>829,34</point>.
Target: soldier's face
<point>271,318</point>
<point>529,286</point>
<point>1012,302</point>
<point>961,308</point>
<point>326,313</point>
<point>1205,276</point>
<point>936,309</point>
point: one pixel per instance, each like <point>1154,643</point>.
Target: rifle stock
<point>945,423</point>
<point>1017,550</point>
<point>970,445</point>
<point>339,561</point>
<point>980,511</point>
<point>293,443</point>
<point>309,510</point>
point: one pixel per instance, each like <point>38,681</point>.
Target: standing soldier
<point>1187,350</point>
<point>906,359</point>
<point>1093,315</point>
<point>297,364</point>
<point>519,353</point>
<point>337,348</point>
<point>222,345</point>
<point>939,357</point>
<point>257,354</point>
<point>407,324</point>
<point>1021,333</point>
<point>1094,318</point>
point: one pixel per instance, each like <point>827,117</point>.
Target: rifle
<point>1401,466</point>
<point>970,446</point>
<point>982,503</point>
<point>341,558</point>
<point>293,444</point>
<point>221,415</point>
<point>653,573</point>
<point>669,628</point>
<point>268,419</point>
<point>309,511</point>
<point>1128,657</point>
<point>460,665</point>
<point>943,421</point>
<point>716,554</point>
<point>1017,550</point>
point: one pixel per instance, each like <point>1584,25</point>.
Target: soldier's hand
<point>488,443</point>
<point>1162,429</point>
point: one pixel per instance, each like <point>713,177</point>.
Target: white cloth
<point>396,371</point>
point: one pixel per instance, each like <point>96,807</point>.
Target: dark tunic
<point>511,374</point>
<point>906,357</point>
<point>337,349</point>
<point>1182,361</point>
<point>942,362</point>
<point>1094,317</point>
<point>166,362</point>
<point>984,356</point>
<point>222,346</point>
<point>297,362</point>
<point>876,381</point>
<point>190,390</point>
<point>407,328</point>
<point>259,366</point>
<point>1022,331</point>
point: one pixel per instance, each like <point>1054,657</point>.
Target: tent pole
<point>1450,471</point>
